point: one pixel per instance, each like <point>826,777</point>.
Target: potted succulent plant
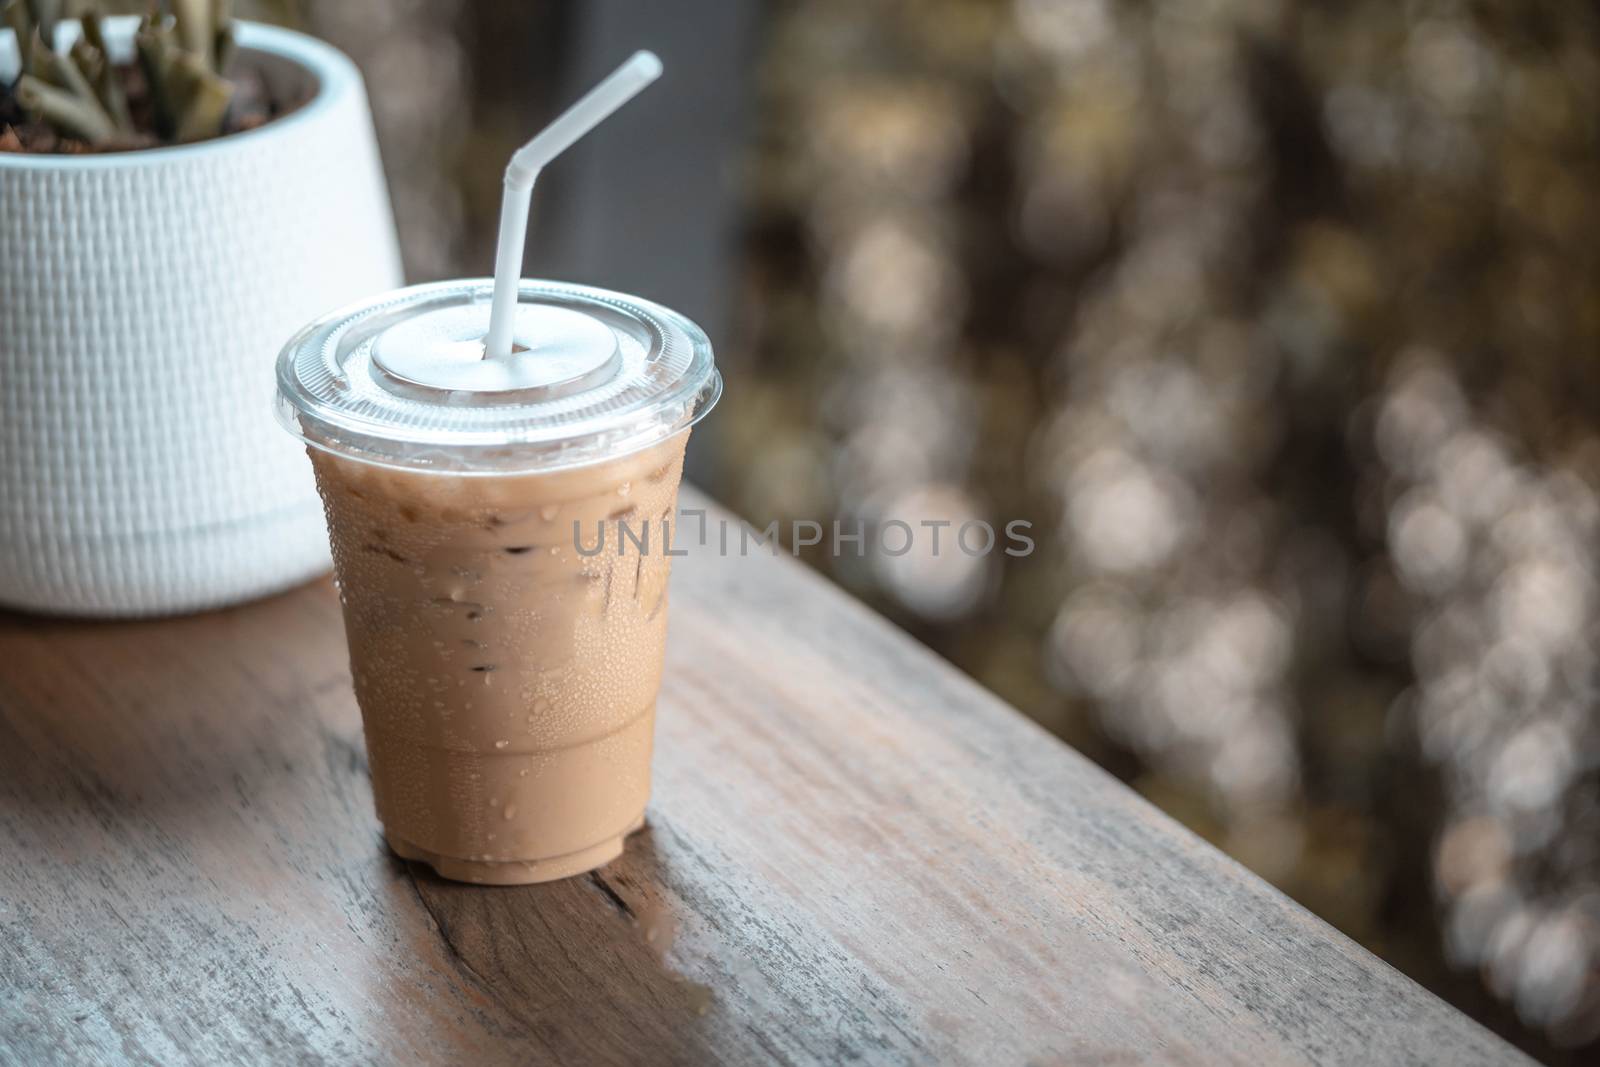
<point>178,194</point>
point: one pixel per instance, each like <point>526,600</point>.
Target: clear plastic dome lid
<point>401,380</point>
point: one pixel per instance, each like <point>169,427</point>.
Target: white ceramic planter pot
<point>143,299</point>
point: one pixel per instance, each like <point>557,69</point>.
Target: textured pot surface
<point>143,299</point>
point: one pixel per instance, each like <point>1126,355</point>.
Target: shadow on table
<point>582,962</point>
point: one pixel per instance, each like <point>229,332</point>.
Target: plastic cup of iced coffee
<point>506,671</point>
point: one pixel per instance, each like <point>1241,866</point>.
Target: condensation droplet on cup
<point>549,512</point>
<point>511,809</point>
<point>502,744</point>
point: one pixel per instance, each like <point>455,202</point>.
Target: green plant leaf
<point>69,115</point>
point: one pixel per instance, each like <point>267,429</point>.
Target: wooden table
<point>854,853</point>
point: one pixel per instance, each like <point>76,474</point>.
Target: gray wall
<point>649,202</point>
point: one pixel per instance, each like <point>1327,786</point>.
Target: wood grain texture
<point>854,853</point>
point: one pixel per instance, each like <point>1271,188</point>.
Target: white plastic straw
<point>620,86</point>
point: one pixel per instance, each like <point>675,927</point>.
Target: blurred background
<point>1279,321</point>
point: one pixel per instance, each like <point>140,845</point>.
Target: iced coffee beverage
<point>506,644</point>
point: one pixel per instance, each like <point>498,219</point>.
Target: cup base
<point>514,872</point>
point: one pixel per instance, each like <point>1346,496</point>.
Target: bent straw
<point>617,89</point>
